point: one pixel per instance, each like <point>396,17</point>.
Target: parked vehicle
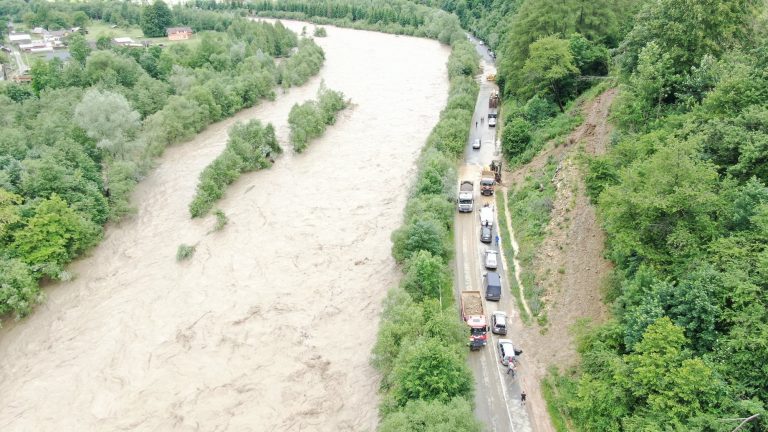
<point>466,196</point>
<point>499,323</point>
<point>487,182</point>
<point>491,259</point>
<point>473,314</point>
<point>492,285</point>
<point>476,144</point>
<point>486,234</point>
<point>496,169</point>
<point>486,216</point>
<point>507,352</point>
<point>493,100</point>
<point>492,122</point>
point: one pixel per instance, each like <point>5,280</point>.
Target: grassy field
<point>97,29</point>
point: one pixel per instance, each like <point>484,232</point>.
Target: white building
<point>18,38</point>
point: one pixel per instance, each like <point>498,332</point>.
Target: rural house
<point>178,33</point>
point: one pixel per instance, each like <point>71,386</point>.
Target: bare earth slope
<point>269,325</point>
<point>570,262</point>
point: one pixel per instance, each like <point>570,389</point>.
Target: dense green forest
<point>683,199</point>
<point>75,141</point>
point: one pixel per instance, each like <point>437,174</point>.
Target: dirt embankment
<point>570,261</point>
<point>269,326</point>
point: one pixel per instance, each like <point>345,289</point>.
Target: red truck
<point>473,314</point>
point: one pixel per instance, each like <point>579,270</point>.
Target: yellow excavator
<point>491,77</point>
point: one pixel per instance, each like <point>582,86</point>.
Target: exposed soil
<point>570,262</point>
<point>269,326</point>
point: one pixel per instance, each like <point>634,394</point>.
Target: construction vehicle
<point>493,100</point>
<point>496,169</point>
<point>466,196</point>
<point>491,77</point>
<point>487,182</point>
<point>473,314</point>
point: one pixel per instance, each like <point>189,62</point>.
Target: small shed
<point>123,41</point>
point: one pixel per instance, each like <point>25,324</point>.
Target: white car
<point>499,323</point>
<point>492,122</point>
<point>491,259</point>
<point>476,144</point>
<point>506,351</point>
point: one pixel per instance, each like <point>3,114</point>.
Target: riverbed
<point>269,326</point>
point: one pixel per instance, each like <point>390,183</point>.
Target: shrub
<point>18,288</point>
<point>53,236</point>
<point>320,32</point>
<point>304,63</point>
<point>432,416</point>
<point>538,109</point>
<point>419,235</point>
<point>221,219</point>
<point>431,206</point>
<point>309,120</point>
<point>184,252</point>
<point>430,370</point>
<point>425,277</point>
<point>250,147</point>
<point>515,138</point>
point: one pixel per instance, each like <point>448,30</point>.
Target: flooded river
<point>269,326</point>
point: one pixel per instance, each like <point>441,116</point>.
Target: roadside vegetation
<point>309,120</point>
<point>530,206</point>
<point>250,147</point>
<point>421,348</point>
<point>509,257</point>
<point>76,141</point>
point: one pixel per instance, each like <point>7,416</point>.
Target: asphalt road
<point>497,395</point>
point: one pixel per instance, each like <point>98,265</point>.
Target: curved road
<point>497,395</point>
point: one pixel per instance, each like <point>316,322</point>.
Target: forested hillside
<point>75,141</point>
<point>684,203</point>
<point>681,194</point>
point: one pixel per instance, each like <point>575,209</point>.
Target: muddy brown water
<point>269,326</point>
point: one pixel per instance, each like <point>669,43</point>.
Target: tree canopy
<point>155,18</point>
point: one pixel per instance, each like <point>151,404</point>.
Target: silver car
<point>476,144</point>
<point>506,351</point>
<point>491,259</point>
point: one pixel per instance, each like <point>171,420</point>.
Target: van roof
<point>493,278</point>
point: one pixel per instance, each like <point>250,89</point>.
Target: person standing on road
<point>522,398</point>
<point>497,240</point>
<point>511,368</point>
<point>482,119</point>
<point>475,124</point>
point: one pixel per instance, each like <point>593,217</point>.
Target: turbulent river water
<point>269,326</point>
